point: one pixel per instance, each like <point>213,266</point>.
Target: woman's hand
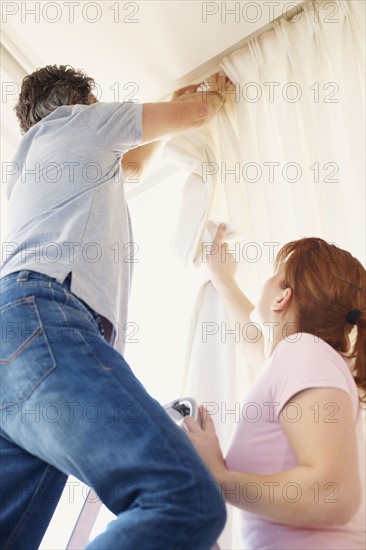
<point>206,442</point>
<point>221,264</point>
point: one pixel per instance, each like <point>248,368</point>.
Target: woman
<point>296,470</point>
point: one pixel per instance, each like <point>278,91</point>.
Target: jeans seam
<point>91,351</point>
<point>5,287</point>
<point>89,348</point>
<point>40,329</point>
<point>70,297</point>
<point>17,302</point>
<point>39,282</point>
<point>62,313</point>
<point>68,302</point>
<point>37,332</point>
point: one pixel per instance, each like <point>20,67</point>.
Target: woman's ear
<point>283,300</point>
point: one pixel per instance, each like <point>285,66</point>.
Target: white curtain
<point>283,160</point>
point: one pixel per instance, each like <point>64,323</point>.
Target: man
<point>70,403</point>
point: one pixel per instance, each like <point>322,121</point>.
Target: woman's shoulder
<point>308,356</point>
<point>304,344</point>
<point>306,361</point>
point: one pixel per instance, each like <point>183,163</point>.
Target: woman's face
<point>273,296</point>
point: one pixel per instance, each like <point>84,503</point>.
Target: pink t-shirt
<point>260,446</point>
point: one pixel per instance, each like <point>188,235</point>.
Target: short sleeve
<point>117,124</point>
<point>303,363</point>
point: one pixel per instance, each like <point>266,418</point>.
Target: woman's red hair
<point>327,283</point>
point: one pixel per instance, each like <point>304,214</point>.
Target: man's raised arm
<point>186,109</point>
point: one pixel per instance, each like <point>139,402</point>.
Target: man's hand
<point>191,89</point>
<point>216,85</point>
<point>187,109</point>
<point>136,162</point>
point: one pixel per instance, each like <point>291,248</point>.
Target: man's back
<point>67,209</point>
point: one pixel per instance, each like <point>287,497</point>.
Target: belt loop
<point>23,276</point>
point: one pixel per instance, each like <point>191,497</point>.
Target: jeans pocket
<point>26,357</point>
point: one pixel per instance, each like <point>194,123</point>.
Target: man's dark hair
<point>48,88</point>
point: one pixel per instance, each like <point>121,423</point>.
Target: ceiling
<point>153,44</point>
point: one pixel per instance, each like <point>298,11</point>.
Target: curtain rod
<point>212,65</point>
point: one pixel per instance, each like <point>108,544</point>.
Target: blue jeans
<point>70,404</point>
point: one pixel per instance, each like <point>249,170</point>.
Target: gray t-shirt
<point>67,207</point>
